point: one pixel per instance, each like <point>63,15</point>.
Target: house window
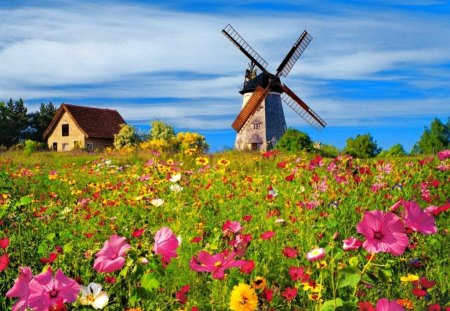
<point>254,146</point>
<point>65,147</point>
<point>65,130</point>
<point>90,146</point>
<point>55,146</point>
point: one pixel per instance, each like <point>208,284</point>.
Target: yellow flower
<point>243,298</point>
<point>223,162</point>
<point>202,161</point>
<point>321,264</point>
<point>409,278</point>
<point>259,282</point>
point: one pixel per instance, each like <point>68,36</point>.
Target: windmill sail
<point>245,48</point>
<point>294,54</point>
<point>302,109</point>
<point>250,107</point>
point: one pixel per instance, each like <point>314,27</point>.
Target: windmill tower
<point>261,122</point>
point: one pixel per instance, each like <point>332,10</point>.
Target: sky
<point>379,67</point>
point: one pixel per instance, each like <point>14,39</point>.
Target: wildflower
<point>157,202</point>
<point>111,257</point>
<point>444,154</point>
<point>289,293</point>
<point>46,290</point>
<point>267,235</point>
<point>315,254</point>
<point>290,252</point>
<point>180,295</point>
<point>365,306</point>
<point>93,295</point>
<point>321,264</point>
<point>408,304</point>
<point>385,305</point>
<point>409,278</point>
<point>138,232</point>
<point>4,262</point>
<point>434,307</point>
<point>231,226</point>
<point>243,298</point>
<point>21,289</point>
<point>259,282</point>
<point>248,266</point>
<point>216,264</point>
<point>4,243</point>
<point>175,188</point>
<point>202,161</point>
<point>298,273</point>
<point>384,232</point>
<point>223,162</point>
<point>351,244</point>
<point>418,220</point>
<point>175,178</point>
<point>166,244</point>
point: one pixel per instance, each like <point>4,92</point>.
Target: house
<point>82,127</point>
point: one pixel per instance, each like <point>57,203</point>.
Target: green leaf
<point>149,282</point>
<point>51,236</point>
<point>331,305</point>
<point>348,277</point>
<point>25,201</point>
<point>42,249</point>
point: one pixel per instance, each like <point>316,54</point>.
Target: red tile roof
<point>94,122</point>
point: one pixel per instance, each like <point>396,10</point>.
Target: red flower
<point>247,218</point>
<point>4,243</point>
<point>365,306</point>
<point>434,307</point>
<point>181,294</point>
<point>110,279</point>
<point>282,164</point>
<point>4,261</point>
<point>298,273</point>
<point>267,235</point>
<point>248,266</point>
<point>290,177</point>
<point>290,252</point>
<point>419,292</point>
<point>138,232</point>
<point>196,239</point>
<point>289,293</point>
<point>267,294</point>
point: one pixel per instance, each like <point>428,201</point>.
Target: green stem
<point>372,256</point>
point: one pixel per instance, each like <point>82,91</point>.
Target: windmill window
<point>257,126</point>
<point>65,129</point>
<point>90,146</point>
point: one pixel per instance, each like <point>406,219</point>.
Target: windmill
<point>261,122</point>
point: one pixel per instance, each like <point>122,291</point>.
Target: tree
<point>395,151</point>
<point>126,137</point>
<point>192,142</point>
<point>294,141</point>
<point>363,146</point>
<point>161,130</point>
<point>40,120</point>
<point>434,139</point>
<point>13,122</point>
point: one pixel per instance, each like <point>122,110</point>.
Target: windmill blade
<point>302,109</point>
<point>245,48</point>
<point>294,54</point>
<point>250,107</point>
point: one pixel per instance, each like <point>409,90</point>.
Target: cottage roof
<point>94,122</point>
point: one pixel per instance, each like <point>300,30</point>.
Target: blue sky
<point>379,67</point>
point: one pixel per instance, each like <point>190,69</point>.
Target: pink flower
<point>111,257</point>
<point>315,254</point>
<point>21,289</point>
<point>138,232</point>
<point>267,235</point>
<point>298,273</point>
<point>231,226</point>
<point>417,219</point>
<point>351,244</point>
<point>216,264</point>
<point>386,305</point>
<point>181,294</point>
<point>166,244</point>
<point>248,266</point>
<point>384,232</point>
<point>444,154</point>
<point>4,243</point>
<point>290,252</point>
<point>45,291</point>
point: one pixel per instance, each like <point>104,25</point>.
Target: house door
<point>55,146</point>
<point>254,146</point>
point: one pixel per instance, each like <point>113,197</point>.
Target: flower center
<point>53,293</point>
<point>378,235</point>
<point>90,298</point>
<point>218,264</point>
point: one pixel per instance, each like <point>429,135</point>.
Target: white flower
<point>157,202</point>
<point>175,188</point>
<point>175,178</point>
<point>94,296</point>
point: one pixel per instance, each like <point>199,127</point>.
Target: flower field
<point>232,231</point>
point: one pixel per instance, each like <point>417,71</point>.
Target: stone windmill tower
<point>261,122</point>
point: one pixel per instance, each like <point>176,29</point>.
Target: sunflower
<point>243,298</point>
